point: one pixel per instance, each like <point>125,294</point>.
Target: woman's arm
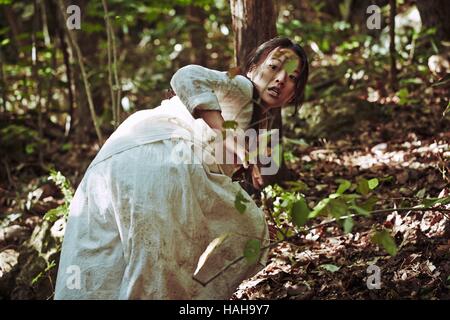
<point>200,88</point>
<point>197,87</point>
<point>215,121</point>
<point>213,118</point>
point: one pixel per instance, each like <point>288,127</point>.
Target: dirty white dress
<point>140,221</point>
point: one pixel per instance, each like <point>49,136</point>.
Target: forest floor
<point>326,263</point>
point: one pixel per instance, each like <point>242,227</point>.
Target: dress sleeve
<point>200,87</point>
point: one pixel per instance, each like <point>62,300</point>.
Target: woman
<point>143,217</point>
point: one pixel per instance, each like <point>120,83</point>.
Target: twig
<point>274,222</point>
<point>74,44</point>
<point>110,72</point>
<point>35,71</point>
<point>326,223</point>
<point>112,67</point>
<point>392,52</point>
<point>68,70</point>
<point>116,76</point>
<point>8,172</point>
<point>409,209</point>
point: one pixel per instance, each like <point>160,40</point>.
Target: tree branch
<point>304,231</point>
<point>74,45</point>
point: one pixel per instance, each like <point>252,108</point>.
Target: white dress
<point>140,221</point>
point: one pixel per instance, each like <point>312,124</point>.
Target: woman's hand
<point>257,179</point>
<point>230,149</point>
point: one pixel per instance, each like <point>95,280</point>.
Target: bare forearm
<point>212,117</point>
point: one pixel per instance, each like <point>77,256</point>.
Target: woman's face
<point>275,77</point>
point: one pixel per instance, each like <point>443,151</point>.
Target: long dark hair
<point>254,59</point>
<point>260,53</point>
<point>265,121</point>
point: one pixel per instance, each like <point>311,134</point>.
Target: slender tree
<point>254,22</point>
<point>435,14</point>
<point>197,35</point>
<point>392,52</point>
<point>36,77</point>
<point>3,82</point>
<point>74,44</point>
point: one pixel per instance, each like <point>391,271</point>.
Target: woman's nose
<point>281,77</point>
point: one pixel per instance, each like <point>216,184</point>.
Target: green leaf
<point>350,196</point>
<point>429,202</point>
<point>252,250</point>
<point>5,42</point>
<point>297,186</point>
<point>372,183</point>
<point>230,124</point>
<point>29,148</point>
<point>54,214</point>
<point>277,154</point>
<point>363,186</point>
<point>319,207</point>
<point>387,179</point>
<point>348,225</point>
<point>211,247</point>
<point>240,201</point>
<point>447,109</point>
<point>291,65</point>
<point>280,235</point>
<point>421,193</point>
<point>384,239</point>
<point>300,212</point>
<point>338,208</point>
<point>299,142</point>
<point>403,95</point>
<point>66,147</point>
<point>360,210</point>
<point>345,184</point>
<point>368,205</point>
<point>330,267</point>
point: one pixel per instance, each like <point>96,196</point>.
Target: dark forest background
<point>367,155</point>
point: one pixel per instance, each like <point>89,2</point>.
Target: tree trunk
<point>35,72</point>
<point>16,27</point>
<point>392,51</point>
<point>73,42</point>
<point>254,22</point>
<point>3,83</point>
<point>197,35</point>
<point>435,14</point>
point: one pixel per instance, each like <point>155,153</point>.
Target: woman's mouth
<point>274,92</point>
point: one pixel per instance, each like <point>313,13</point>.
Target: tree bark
<point>3,83</point>
<point>197,35</point>
<point>435,14</point>
<point>75,47</point>
<point>16,30</point>
<point>35,72</point>
<point>254,22</point>
<point>392,51</point>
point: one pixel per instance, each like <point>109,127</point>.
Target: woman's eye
<point>293,77</point>
<point>273,67</point>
